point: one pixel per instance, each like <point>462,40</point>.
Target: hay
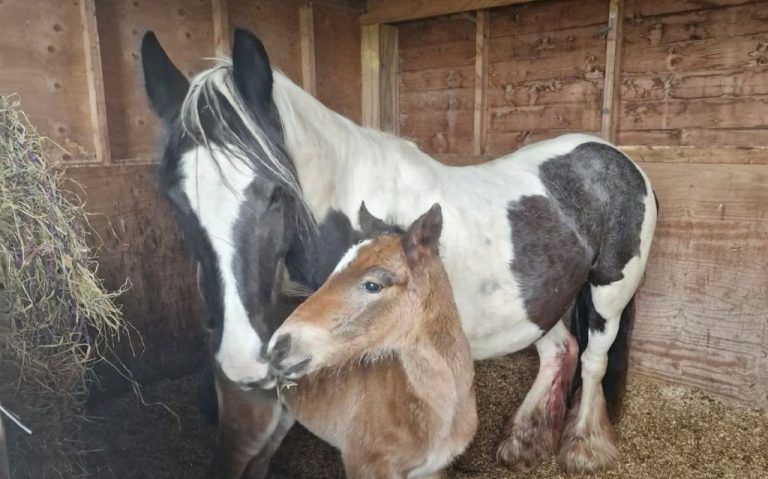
<point>56,319</point>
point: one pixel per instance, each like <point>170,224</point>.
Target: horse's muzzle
<point>282,363</point>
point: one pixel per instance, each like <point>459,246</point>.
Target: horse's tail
<point>615,379</point>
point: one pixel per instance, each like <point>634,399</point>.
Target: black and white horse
<point>267,183</point>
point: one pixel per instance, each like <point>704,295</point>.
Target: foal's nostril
<point>298,367</point>
<point>280,350</point>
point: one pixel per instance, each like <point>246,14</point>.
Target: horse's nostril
<point>298,367</point>
<point>280,349</point>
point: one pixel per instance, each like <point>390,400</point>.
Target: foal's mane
<point>215,116</point>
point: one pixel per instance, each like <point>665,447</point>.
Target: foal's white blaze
<point>349,256</point>
<point>216,197</point>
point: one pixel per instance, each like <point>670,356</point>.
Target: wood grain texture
<point>437,83</point>
<point>702,310</point>
<point>612,67</point>
<point>307,33</point>
<point>547,68</point>
<point>137,238</point>
<point>392,11</point>
<point>698,154</point>
<point>482,46</point>
<point>42,59</point>
<point>694,74</point>
<point>221,41</point>
<point>184,28</point>
<point>337,55</point>
<point>95,77</point>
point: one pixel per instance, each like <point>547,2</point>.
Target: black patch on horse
<point>588,228</point>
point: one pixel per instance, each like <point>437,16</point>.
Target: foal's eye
<point>371,287</point>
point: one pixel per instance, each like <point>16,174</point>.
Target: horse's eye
<point>372,287</point>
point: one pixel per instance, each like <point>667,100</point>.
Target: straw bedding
<point>665,432</point>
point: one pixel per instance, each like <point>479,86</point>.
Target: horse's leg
<point>260,463</point>
<point>533,432</point>
<point>588,441</point>
<point>247,421</point>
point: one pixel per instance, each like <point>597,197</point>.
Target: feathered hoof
<point>588,452</point>
<point>525,445</point>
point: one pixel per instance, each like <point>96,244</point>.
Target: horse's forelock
<point>215,117</point>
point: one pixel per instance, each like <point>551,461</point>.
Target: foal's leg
<point>247,421</point>
<point>534,431</point>
<point>588,441</point>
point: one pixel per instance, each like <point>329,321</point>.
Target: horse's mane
<point>215,117</point>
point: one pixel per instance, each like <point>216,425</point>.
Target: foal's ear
<point>423,237</point>
<point>251,70</point>
<point>166,86</point>
<point>370,225</point>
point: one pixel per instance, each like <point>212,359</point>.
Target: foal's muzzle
<point>282,363</point>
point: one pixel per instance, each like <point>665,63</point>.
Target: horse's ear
<point>423,237</point>
<point>370,225</point>
<point>166,86</point>
<point>251,70</point>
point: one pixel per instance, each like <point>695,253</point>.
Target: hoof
<point>526,444</point>
<point>590,452</point>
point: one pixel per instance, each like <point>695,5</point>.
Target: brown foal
<point>382,368</point>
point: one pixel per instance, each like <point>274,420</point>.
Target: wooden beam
<point>757,155</point>
<point>391,11</point>
<point>389,80</point>
<point>221,28</point>
<point>95,80</point>
<point>371,75</point>
<point>481,82</point>
<point>612,70</point>
<point>307,34</point>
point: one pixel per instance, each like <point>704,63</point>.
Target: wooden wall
<point>76,68</point>
<point>681,86</point>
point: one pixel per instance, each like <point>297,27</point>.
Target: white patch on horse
<point>349,256</point>
<point>216,195</point>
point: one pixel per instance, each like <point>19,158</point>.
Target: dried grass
<point>56,319</point>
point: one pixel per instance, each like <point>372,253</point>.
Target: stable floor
<point>665,432</point>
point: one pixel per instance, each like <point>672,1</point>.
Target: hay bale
<point>56,319</point>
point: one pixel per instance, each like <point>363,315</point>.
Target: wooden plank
<point>482,45</point>
<point>185,29</point>
<point>437,79</point>
<point>702,309</point>
<point>646,8</point>
<point>95,77</point>
<point>392,11</point>
<point>612,66</point>
<point>221,28</point>
<point>389,82</point>
<point>138,239</point>
<point>544,18</point>
<point>699,155</point>
<point>371,75</point>
<point>337,29</point>
<point>547,92</point>
<point>307,34</point>
<point>42,59</point>
<point>747,112</point>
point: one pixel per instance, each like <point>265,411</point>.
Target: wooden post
<point>221,28</point>
<point>379,71</point>
<point>389,81</point>
<point>307,34</point>
<point>481,82</point>
<point>371,70</point>
<point>612,70</point>
<point>95,79</point>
